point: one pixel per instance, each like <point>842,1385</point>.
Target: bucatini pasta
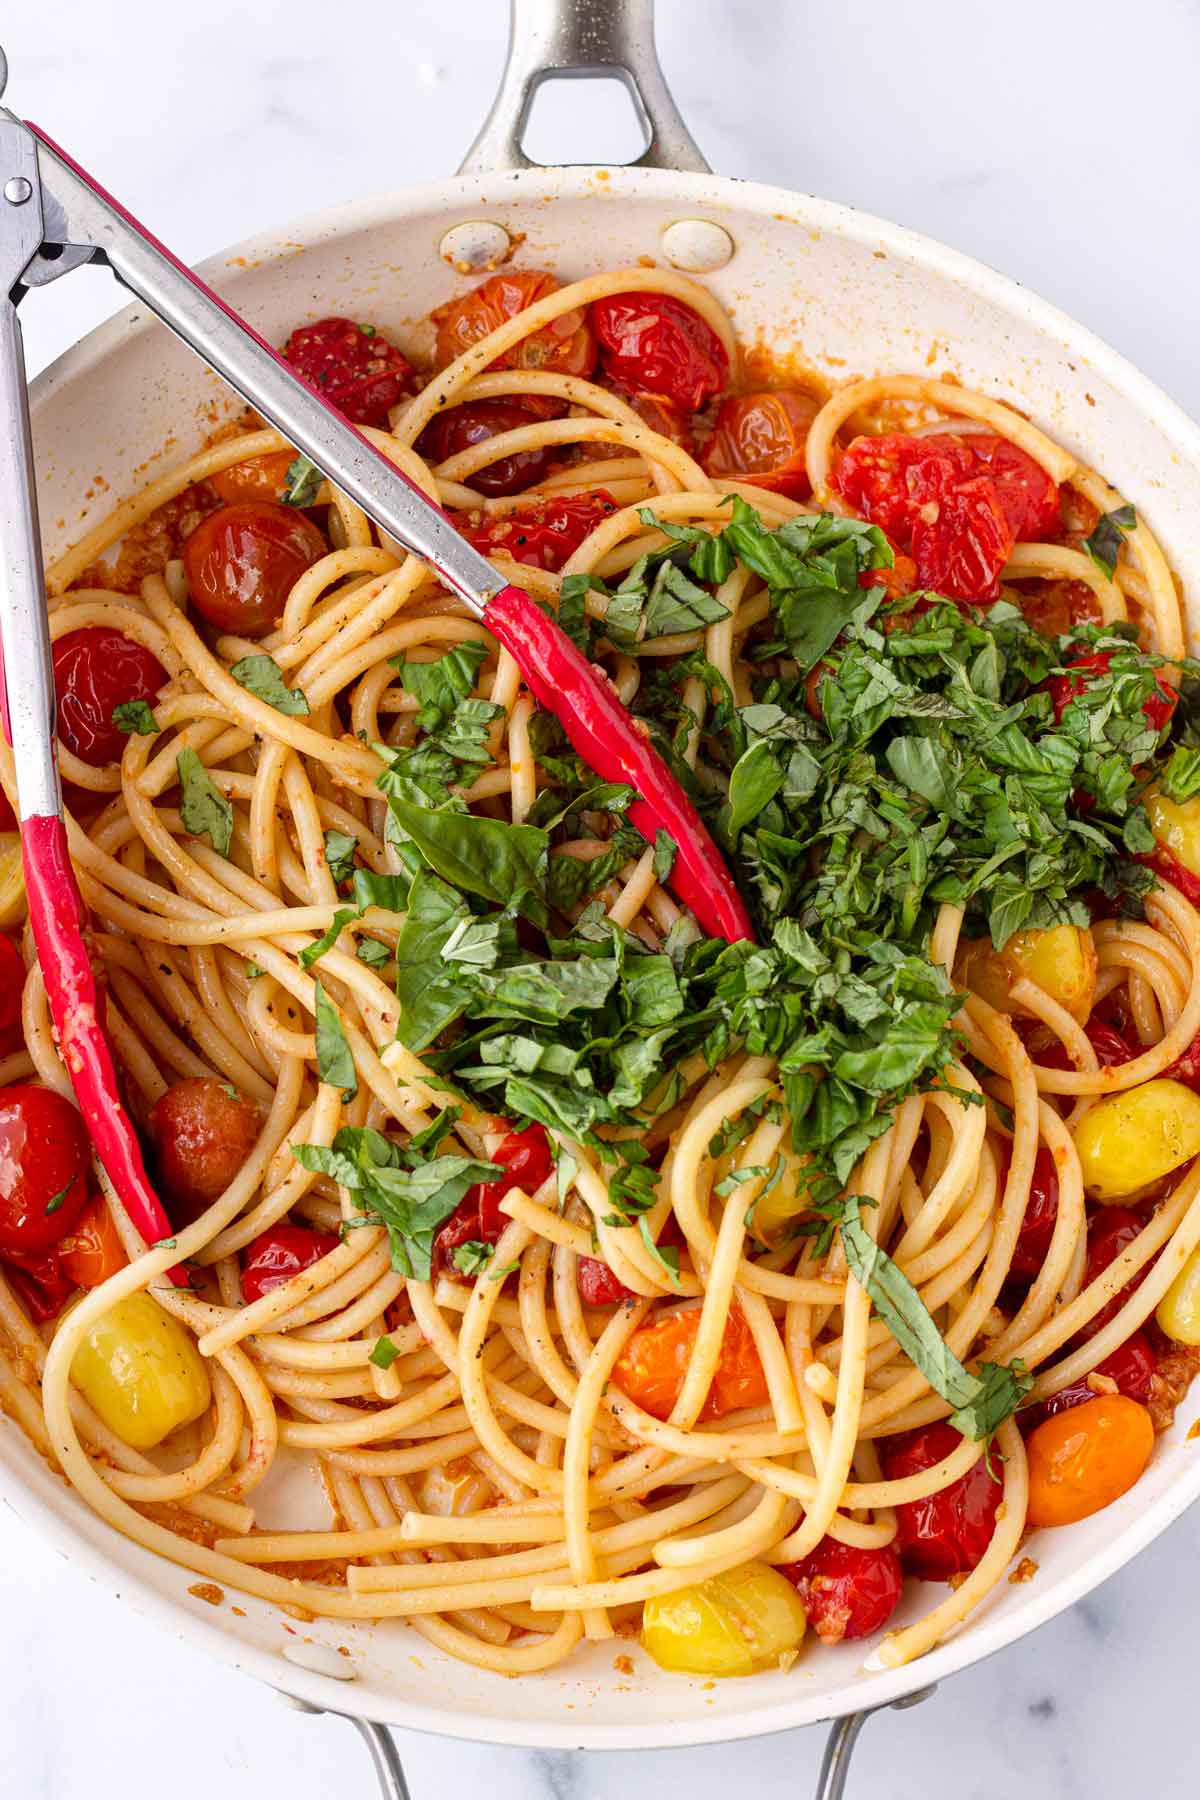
<point>614,1279</point>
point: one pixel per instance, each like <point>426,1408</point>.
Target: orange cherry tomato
<point>203,1130</point>
<point>1056,607</point>
<point>651,1368</point>
<point>761,438</point>
<point>1084,1459</point>
<point>93,1251</point>
<point>262,478</point>
<point>243,561</point>
<point>567,346</point>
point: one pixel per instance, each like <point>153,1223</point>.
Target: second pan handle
<point>551,40</point>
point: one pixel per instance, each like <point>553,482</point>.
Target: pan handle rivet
<point>697,245</point>
<point>17,190</point>
<point>475,245</point>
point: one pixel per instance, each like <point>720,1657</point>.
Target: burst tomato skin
<point>242,562</point>
<point>1169,868</point>
<point>95,670</point>
<point>1111,1049</point>
<point>12,984</point>
<point>1110,1231</point>
<point>847,1592</point>
<point>567,346</point>
<point>526,1160</point>
<point>761,438</point>
<point>1131,1366</point>
<point>279,1253</point>
<point>946,1533</point>
<point>652,1366</point>
<point>353,367</point>
<point>203,1133</point>
<point>92,1251</point>
<point>1041,1215</point>
<point>958,504</point>
<point>44,1159</point>
<point>650,343</point>
<point>1081,673</point>
<point>547,532</point>
<point>459,427</point>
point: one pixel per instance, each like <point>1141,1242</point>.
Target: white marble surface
<point>1058,142</point>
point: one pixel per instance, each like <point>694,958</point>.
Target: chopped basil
<point>263,677</point>
<point>667,1255</point>
<point>334,1059</point>
<point>665,852</point>
<point>313,952</point>
<point>135,716</point>
<point>1109,533</point>
<point>473,1257</point>
<point>55,1201</point>
<point>302,482</point>
<point>340,847</point>
<point>203,808</point>
<point>383,1353</point>
<point>369,950</point>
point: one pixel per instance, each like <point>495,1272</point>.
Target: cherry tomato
<point>1041,1214</point>
<point>1056,607</point>
<point>1082,1460</point>
<point>1157,706</point>
<point>262,478</point>
<point>203,1130</point>
<point>651,1368</point>
<point>650,343</point>
<point>243,561</point>
<point>957,503</point>
<point>1111,1049</point>
<point>597,1284</point>
<point>40,1284</point>
<point>1131,1366</point>
<point>354,366</point>
<point>461,426</point>
<point>1110,1231</point>
<point>1187,1069</point>
<point>278,1254</point>
<point>526,1160</point>
<point>567,346</point>
<point>898,582</point>
<point>847,1592</point>
<point>43,1169</point>
<point>95,670</point>
<point>946,1533</point>
<point>761,438</point>
<point>812,690</point>
<point>544,534</point>
<point>1169,868</point>
<point>93,1251</point>
<point>663,416</point>
<point>12,984</point>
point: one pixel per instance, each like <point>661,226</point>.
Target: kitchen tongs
<point>54,218</point>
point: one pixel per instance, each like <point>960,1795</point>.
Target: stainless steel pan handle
<point>551,40</point>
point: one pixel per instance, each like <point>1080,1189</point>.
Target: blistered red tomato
<point>597,1284</point>
<point>761,438</point>
<point>203,1130</point>
<point>1131,1366</point>
<point>262,478</point>
<point>1081,673</point>
<point>544,534</point>
<point>12,984</point>
<point>1112,1049</point>
<point>653,1364</point>
<point>1041,1214</point>
<point>946,1533</point>
<point>1172,870</point>
<point>526,1160</point>
<point>96,670</point>
<point>567,346</point>
<point>650,343</point>
<point>278,1254</point>
<point>663,416</point>
<point>243,561</point>
<point>354,366</point>
<point>459,427</point>
<point>958,504</point>
<point>847,1592</point>
<point>1110,1231</point>
<point>43,1169</point>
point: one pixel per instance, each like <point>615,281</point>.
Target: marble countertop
<point>1072,165</point>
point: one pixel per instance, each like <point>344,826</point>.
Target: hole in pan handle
<point>553,40</point>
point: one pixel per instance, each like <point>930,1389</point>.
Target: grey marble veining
<point>1074,168</point>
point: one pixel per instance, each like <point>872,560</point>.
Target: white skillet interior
<point>852,296</point>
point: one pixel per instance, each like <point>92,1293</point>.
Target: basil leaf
<point>263,677</point>
<point>204,810</point>
<point>340,848</point>
<point>430,996</point>
<point>487,857</point>
<point>301,483</point>
<point>384,1353</point>
<point>754,783</point>
<point>135,715</point>
<point>676,604</point>
<point>473,1257</point>
<point>312,953</point>
<point>1109,533</point>
<point>918,763</point>
<point>572,609</point>
<point>665,852</point>
<point>441,684</point>
<point>370,951</point>
<point>334,1059</point>
<point>1181,776</point>
<point>666,1255</point>
<point>390,893</point>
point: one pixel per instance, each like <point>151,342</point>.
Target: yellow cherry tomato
<point>1085,1458</point>
<point>1060,960</point>
<point>141,1371</point>
<point>733,1624</point>
<point>1132,1139</point>
<point>1176,825</point>
<point>1179,1309</point>
<point>12,882</point>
